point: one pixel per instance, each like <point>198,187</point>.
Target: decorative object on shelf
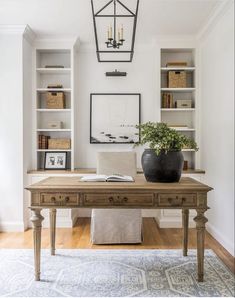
<point>55,86</point>
<point>185,167</point>
<point>55,100</point>
<point>184,103</point>
<point>163,162</point>
<point>43,141</point>
<point>176,64</point>
<point>118,123</point>
<point>117,11</point>
<point>59,143</point>
<point>167,101</point>
<point>55,161</point>
<point>177,79</point>
<point>115,73</point>
<point>55,124</point>
<point>54,66</point>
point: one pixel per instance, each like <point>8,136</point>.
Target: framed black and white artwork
<point>113,118</point>
<point>55,160</point>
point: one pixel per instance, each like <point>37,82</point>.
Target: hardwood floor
<point>79,237</point>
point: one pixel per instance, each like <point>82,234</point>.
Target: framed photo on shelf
<point>55,160</point>
<point>113,118</point>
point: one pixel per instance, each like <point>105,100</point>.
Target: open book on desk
<point>109,178</point>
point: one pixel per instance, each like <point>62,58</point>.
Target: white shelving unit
<point>178,116</point>
<point>49,53</point>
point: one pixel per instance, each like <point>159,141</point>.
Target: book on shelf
<point>54,66</point>
<point>167,101</point>
<point>43,142</point>
<point>109,178</point>
<point>176,64</point>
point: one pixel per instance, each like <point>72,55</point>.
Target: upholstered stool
<point>116,225</point>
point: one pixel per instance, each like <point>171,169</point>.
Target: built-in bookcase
<point>181,116</point>
<point>47,55</point>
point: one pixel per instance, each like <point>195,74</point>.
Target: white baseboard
<point>172,222</point>
<point>228,245</point>
<point>12,226</point>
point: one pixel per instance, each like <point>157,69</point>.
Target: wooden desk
<point>69,192</point>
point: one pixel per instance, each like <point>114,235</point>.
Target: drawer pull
<point>53,199</point>
<point>111,199</point>
<point>175,204</point>
<point>66,199</point>
<point>125,199</point>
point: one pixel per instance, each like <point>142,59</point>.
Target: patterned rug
<point>112,273</point>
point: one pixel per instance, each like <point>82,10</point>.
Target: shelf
<point>53,110</point>
<point>93,171</point>
<point>178,110</point>
<point>182,129</point>
<point>188,150</point>
<point>56,150</point>
<point>53,70</point>
<point>187,69</point>
<point>53,89</point>
<point>49,129</point>
<point>178,89</point>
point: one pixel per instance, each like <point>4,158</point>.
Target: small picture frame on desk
<point>55,160</point>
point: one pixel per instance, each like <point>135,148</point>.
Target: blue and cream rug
<point>112,273</point>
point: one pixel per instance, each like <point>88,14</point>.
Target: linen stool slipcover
<point>109,226</point>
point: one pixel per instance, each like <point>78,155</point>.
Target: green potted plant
<point>163,161</point>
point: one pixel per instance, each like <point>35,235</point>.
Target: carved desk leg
<point>36,220</point>
<point>185,216</point>
<point>200,220</point>
<point>52,230</point>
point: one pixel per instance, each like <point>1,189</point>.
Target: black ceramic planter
<point>165,167</point>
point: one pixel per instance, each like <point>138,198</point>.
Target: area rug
<point>112,273</point>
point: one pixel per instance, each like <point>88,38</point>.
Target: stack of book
<point>43,142</point>
<point>167,101</point>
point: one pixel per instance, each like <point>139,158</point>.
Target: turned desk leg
<point>200,220</point>
<point>185,216</point>
<point>52,230</point>
<point>36,220</point>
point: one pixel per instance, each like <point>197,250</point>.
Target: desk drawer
<point>179,200</point>
<point>64,199</point>
<point>145,200</point>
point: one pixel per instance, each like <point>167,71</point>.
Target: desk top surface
<point>74,183</point>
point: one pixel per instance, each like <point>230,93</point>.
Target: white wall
<point>217,126</point>
<point>27,121</point>
<point>141,78</point>
<point>11,132</point>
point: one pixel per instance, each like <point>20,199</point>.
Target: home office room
<point>117,148</point>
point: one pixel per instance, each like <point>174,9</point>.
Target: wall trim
<point>12,29</point>
<point>172,222</point>
<point>12,226</point>
<point>214,17</point>
<point>228,245</point>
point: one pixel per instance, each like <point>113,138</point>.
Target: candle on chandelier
<point>122,32</point>
<point>111,32</point>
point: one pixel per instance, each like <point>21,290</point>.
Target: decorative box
<point>59,144</point>
<point>176,79</point>
<point>55,100</point>
<point>184,103</point>
<point>55,124</point>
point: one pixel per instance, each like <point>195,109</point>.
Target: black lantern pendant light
<point>114,48</point>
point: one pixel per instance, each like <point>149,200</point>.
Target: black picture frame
<point>92,96</point>
<point>56,153</point>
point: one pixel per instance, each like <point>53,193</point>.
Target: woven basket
<point>176,79</point>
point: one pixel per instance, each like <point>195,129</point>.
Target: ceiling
<point>73,17</point>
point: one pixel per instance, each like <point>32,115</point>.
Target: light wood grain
<point>71,192</point>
